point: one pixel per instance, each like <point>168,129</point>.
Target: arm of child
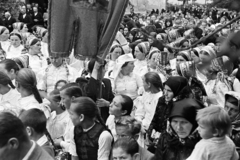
<point>105,145</point>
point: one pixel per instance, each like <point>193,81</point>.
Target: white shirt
<point>24,15</point>
<point>44,49</point>
<point>57,124</point>
<point>48,77</point>
<point>127,85</point>
<point>30,151</point>
<point>146,106</point>
<point>140,68</point>
<point>5,45</point>
<point>9,101</point>
<point>216,148</point>
<point>37,63</point>
<point>28,102</point>
<point>13,52</point>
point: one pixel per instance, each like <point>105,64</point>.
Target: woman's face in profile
<point>181,126</point>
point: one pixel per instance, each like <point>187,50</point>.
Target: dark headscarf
<point>177,84</point>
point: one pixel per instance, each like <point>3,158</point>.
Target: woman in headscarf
<point>178,142</point>
<point>218,82</point>
<point>124,81</point>
<point>36,60</point>
<point>175,88</point>
<point>20,27</point>
<point>183,56</point>
<point>141,51</point>
<point>232,106</point>
<point>16,47</point>
<point>4,35</point>
<point>188,70</point>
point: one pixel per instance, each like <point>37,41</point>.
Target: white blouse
<point>5,45</point>
<point>48,77</point>
<point>28,102</point>
<point>37,63</point>
<point>145,107</point>
<point>9,101</point>
<point>140,68</point>
<point>57,124</point>
<point>128,85</point>
<point>13,52</point>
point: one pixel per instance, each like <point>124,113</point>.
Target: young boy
<point>214,127</point>
<point>35,122</point>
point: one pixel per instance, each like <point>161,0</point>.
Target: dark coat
<point>9,22</point>
<point>37,19</point>
<point>92,91</point>
<point>27,20</point>
<point>171,148</point>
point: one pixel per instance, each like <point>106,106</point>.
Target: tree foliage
<point>229,4</point>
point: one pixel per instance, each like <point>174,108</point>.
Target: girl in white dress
<point>15,48</point>
<point>4,35</point>
<point>146,104</point>
<point>9,96</point>
<point>26,85</point>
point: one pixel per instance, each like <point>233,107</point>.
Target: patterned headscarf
<point>22,61</point>
<point>210,50</point>
<point>186,55</point>
<point>144,47</point>
<point>18,26</point>
<point>186,69</point>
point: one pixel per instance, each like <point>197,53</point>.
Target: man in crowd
<point>25,17</point>
<point>9,20</point>
<point>15,143</point>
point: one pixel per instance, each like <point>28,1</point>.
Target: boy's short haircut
<point>34,118</point>
<point>215,117</point>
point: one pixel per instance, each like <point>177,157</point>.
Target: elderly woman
<point>124,81</point>
<point>178,142</point>
<point>141,51</point>
<point>232,106</point>
<point>175,88</point>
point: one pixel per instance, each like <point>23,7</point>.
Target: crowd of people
<point>156,103</point>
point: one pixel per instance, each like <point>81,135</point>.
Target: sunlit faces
<point>138,54</point>
<point>181,126</point>
<point>168,93</point>
<point>116,107</point>
<point>15,41</point>
<point>232,110</point>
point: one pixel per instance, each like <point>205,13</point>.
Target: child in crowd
<point>121,106</point>
<point>59,119</point>
<point>214,127</point>
<point>35,122</point>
